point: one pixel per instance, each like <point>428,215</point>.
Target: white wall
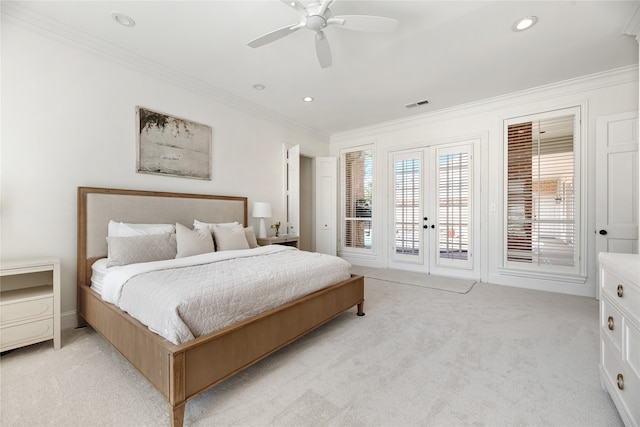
<point>68,120</point>
<point>603,94</point>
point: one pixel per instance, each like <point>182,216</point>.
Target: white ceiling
<point>449,52</point>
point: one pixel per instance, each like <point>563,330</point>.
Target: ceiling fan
<point>316,17</point>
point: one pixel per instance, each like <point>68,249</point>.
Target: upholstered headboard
<point>96,206</point>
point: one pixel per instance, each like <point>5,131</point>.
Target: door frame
<point>426,263</point>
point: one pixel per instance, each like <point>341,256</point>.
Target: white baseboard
<point>69,320</point>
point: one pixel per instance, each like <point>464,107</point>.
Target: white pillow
<point>251,237</point>
<point>230,238</point>
<point>193,242</point>
<point>121,229</point>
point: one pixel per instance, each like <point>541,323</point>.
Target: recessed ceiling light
<point>123,19</point>
<point>307,99</point>
<point>259,86</point>
<point>524,23</point>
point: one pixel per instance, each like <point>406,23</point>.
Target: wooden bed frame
<point>182,372</point>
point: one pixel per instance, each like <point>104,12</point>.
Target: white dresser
<point>620,332</point>
<point>29,302</point>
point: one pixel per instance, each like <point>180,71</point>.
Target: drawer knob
<point>620,291</point>
<point>620,382</point>
<point>610,323</point>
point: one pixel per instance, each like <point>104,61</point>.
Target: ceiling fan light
<point>524,23</point>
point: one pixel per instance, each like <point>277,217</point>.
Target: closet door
<point>293,191</point>
<point>326,205</point>
<point>617,183</point>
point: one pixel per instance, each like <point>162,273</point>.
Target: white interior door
<point>293,191</point>
<point>326,204</point>
<point>617,183</point>
<point>434,203</point>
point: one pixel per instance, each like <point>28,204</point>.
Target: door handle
<point>603,232</point>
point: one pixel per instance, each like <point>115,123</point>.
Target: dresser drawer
<point>611,323</point>
<point>24,311</point>
<point>632,348</point>
<point>622,383</point>
<point>622,293</point>
<point>26,333</point>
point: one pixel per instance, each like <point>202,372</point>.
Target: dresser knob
<point>620,291</point>
<point>620,382</point>
<point>610,323</point>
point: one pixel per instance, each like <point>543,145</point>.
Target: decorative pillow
<point>230,238</point>
<point>134,249</point>
<point>198,225</point>
<point>193,242</point>
<point>122,229</point>
<point>251,237</point>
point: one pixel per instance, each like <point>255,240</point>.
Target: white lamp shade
<point>261,210</point>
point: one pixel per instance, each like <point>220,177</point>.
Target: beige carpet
<point>449,284</point>
<point>496,356</point>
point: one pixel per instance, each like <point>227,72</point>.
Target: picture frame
<point>173,146</point>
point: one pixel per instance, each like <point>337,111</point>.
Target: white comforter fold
<point>188,297</point>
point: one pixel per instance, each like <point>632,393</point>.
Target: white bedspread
<point>188,297</point>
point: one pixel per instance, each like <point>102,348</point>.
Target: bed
<point>182,371</point>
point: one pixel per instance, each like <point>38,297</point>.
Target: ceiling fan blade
<point>296,5</point>
<point>324,6</point>
<point>323,50</point>
<point>274,35</point>
<point>374,24</point>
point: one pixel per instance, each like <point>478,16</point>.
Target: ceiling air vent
<point>417,104</point>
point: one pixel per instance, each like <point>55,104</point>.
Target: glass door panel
<point>453,172</point>
<point>407,207</point>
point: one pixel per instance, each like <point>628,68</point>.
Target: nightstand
<point>29,302</point>
<point>282,240</point>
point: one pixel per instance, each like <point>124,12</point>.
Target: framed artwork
<point>172,146</point>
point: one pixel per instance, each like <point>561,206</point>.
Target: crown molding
<point>576,85</point>
<point>633,26</point>
<point>25,17</point>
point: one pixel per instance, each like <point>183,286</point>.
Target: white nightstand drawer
<point>26,333</point>
<point>611,323</point>
<point>624,294</point>
<point>26,310</point>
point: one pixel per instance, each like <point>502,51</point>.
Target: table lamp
<point>262,210</point>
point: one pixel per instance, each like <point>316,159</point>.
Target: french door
<point>434,205</point>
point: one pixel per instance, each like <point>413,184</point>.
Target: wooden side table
<point>282,240</point>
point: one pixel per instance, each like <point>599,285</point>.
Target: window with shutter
<point>541,201</point>
<point>356,170</point>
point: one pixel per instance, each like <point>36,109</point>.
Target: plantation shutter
<point>356,173</point>
<point>453,204</point>
<point>407,209</point>
<point>541,203</point>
